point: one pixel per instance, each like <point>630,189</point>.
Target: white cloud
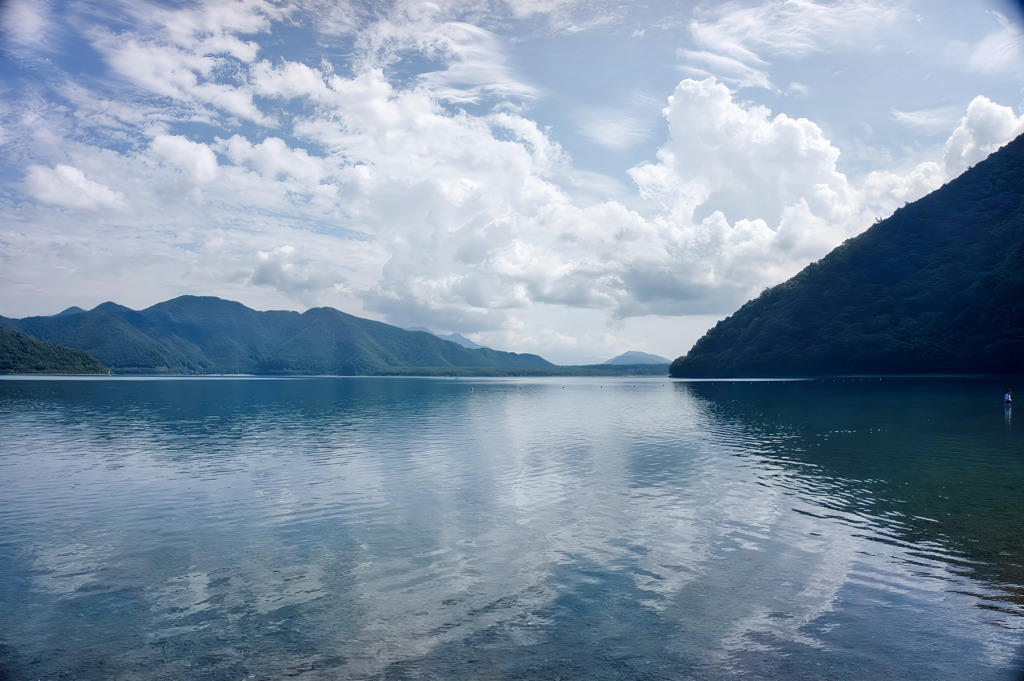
<point>568,16</point>
<point>332,19</point>
<point>289,80</point>
<point>476,65</point>
<point>737,161</point>
<point>471,61</point>
<point>195,159</point>
<point>737,201</point>
<point>68,186</point>
<point>703,63</point>
<point>799,89</point>
<point>285,269</point>
<point>191,55</point>
<point>162,70</point>
<point>211,27</point>
<point>620,127</point>
<point>938,119</point>
<point>273,159</point>
<point>614,129</point>
<point>24,23</point>
<point>883,191</point>
<point>527,8</point>
<point>178,74</point>
<point>735,37</point>
<point>985,128</point>
<point>795,28</point>
<point>1001,51</point>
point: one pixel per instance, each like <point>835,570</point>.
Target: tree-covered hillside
<point>205,335</point>
<point>936,288</point>
<point>21,354</point>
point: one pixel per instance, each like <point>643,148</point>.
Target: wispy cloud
<point>27,27</point>
<point>476,66</point>
<point>1002,51</point>
<point>621,128</point>
<point>794,28</point>
<point>736,72</point>
<point>735,37</point>
<point>942,118</point>
<point>614,129</point>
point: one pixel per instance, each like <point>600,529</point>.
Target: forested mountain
<point>21,354</point>
<point>205,335</point>
<point>936,288</point>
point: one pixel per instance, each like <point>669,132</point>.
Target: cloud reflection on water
<point>372,527</point>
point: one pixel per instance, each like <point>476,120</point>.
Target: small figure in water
<point>1007,398</point>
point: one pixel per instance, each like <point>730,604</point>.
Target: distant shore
<point>452,372</point>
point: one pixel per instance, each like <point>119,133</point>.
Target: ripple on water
<point>521,529</point>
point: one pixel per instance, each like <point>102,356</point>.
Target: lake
<point>597,528</point>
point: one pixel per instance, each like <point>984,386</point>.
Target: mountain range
<point>937,288</point>
<point>207,335</point>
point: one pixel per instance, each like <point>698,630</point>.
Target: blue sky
<point>565,177</point>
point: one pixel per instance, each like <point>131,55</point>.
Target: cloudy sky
<point>575,178</point>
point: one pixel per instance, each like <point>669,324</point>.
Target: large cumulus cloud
<point>737,199</point>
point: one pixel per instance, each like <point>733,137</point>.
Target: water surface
<point>380,528</point>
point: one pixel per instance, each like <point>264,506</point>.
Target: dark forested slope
<point>21,354</point>
<point>205,335</point>
<point>936,288</point>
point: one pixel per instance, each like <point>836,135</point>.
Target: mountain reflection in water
<point>330,528</point>
<point>923,463</point>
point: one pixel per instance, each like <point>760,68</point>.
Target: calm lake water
<point>379,528</point>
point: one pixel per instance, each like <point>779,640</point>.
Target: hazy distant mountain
<point>22,354</point>
<point>74,309</point>
<point>453,337</point>
<point>205,335</point>
<point>460,339</point>
<point>635,357</point>
<point>936,288</point>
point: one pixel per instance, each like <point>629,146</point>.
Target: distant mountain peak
<point>74,309</point>
<point>461,340</point>
<point>110,306</point>
<point>636,357</point>
<point>453,337</point>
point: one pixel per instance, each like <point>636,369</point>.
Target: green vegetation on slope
<point>205,335</point>
<point>21,354</point>
<point>936,288</point>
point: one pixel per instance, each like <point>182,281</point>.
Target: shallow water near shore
<point>597,528</point>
